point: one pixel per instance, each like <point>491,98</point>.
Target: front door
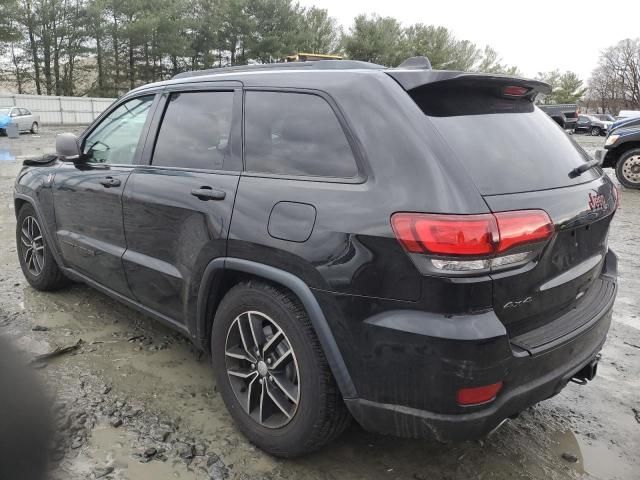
<point>177,209</point>
<point>87,195</point>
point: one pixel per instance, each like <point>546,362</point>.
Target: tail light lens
<point>478,395</point>
<point>515,91</point>
<point>473,242</point>
<point>616,194</point>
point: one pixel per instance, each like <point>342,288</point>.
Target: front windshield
<point>4,111</point>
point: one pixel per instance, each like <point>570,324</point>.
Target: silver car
<point>26,121</point>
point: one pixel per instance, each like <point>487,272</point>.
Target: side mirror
<point>67,147</point>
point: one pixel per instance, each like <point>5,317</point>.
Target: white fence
<point>59,110</point>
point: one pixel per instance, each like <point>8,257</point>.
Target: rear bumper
<point>528,377</point>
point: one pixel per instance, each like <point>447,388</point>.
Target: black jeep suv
<point>424,251</point>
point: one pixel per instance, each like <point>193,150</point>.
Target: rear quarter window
<point>291,133</point>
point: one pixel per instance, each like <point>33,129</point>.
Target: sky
<point>536,36</point>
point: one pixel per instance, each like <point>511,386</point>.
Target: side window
<point>116,137</point>
<point>15,112</point>
<point>24,111</point>
<point>195,131</point>
<point>295,134</point>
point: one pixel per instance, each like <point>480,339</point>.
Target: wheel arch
<point>615,153</point>
<point>223,273</point>
<point>19,201</point>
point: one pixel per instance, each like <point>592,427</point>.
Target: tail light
<point>473,242</point>
<point>515,91</point>
<point>616,195</point>
<point>478,395</point>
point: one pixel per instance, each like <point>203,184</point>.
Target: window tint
<point>195,131</point>
<point>295,134</point>
<point>115,139</point>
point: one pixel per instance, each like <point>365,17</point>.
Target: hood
<point>626,123</point>
<point>4,120</point>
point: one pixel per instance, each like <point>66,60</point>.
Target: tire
<point>38,266</point>
<point>595,131</point>
<point>34,128</point>
<point>628,169</point>
<point>318,416</point>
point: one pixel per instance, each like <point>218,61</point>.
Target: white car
<point>26,121</point>
<point>628,114</point>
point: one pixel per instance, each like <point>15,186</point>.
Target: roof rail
<point>420,62</point>
<point>313,64</point>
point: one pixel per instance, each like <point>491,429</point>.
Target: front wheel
<point>36,259</point>
<point>628,169</point>
<point>272,373</point>
<point>34,127</point>
<point>595,131</point>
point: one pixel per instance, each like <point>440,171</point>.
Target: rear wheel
<point>272,374</point>
<point>628,168</point>
<point>595,131</point>
<point>34,127</point>
<point>36,259</point>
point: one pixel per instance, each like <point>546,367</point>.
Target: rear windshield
<point>506,145</point>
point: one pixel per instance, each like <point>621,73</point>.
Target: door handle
<point>208,193</point>
<point>109,182</point>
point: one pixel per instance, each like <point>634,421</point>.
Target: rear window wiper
<point>583,168</point>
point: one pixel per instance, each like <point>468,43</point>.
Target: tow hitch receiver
<point>587,373</point>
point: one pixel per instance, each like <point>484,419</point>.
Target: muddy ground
<point>136,401</point>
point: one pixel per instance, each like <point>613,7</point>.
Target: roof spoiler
<point>412,78</point>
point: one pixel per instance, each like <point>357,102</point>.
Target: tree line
<point>615,83</point>
<point>106,47</point>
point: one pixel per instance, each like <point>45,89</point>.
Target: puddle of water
<point>6,155</point>
<point>113,447</point>
<point>595,457</point>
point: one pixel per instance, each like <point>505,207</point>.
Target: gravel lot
<point>136,401</point>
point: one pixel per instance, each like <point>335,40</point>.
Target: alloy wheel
<point>631,169</point>
<point>262,369</point>
<point>32,246</point>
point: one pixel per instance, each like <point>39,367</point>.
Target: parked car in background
<point>26,121</point>
<point>592,124</point>
<point>628,114</point>
<point>564,115</point>
<point>430,262</point>
<point>604,117</point>
<point>622,151</point>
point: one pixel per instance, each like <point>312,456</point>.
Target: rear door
<point>87,196</point>
<point>519,160</point>
<point>177,207</point>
